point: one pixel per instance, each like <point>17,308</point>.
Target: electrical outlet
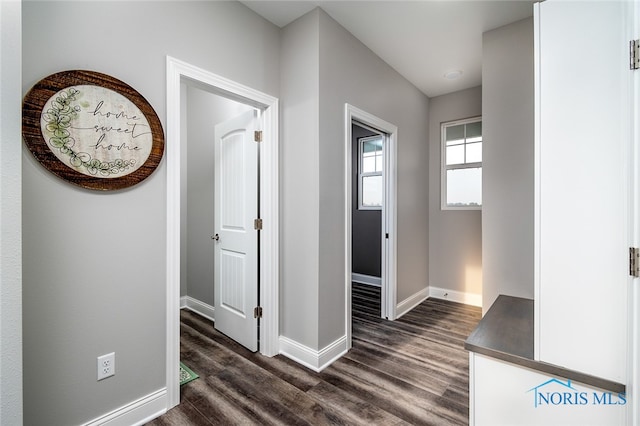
<point>106,365</point>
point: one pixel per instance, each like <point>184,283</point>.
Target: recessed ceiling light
<point>453,75</point>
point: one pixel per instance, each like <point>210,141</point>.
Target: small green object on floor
<point>186,375</point>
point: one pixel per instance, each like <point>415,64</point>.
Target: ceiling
<point>421,39</point>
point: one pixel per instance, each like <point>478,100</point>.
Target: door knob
<point>215,237</point>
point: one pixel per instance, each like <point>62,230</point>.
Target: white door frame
<point>177,72</point>
<point>389,212</point>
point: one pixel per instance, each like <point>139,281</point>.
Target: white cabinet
<point>583,184</point>
<point>503,394</point>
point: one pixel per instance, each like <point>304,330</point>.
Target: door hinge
<point>386,235</point>
<point>634,261</point>
<point>634,54</point>
<point>257,312</point>
<point>257,224</point>
<point>257,136</point>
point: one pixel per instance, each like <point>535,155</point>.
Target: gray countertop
<point>506,333</point>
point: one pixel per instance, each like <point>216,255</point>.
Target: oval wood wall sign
<point>92,130</point>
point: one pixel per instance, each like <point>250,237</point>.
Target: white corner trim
<point>200,308</point>
<point>456,296</point>
<point>411,302</point>
<point>310,358</point>
<point>329,354</point>
<point>137,412</point>
<point>172,160</point>
<point>366,279</point>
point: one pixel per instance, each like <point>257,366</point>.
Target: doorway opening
<point>374,189</point>
<point>219,203</point>
<point>180,76</point>
<point>367,150</point>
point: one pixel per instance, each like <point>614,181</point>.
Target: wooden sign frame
<point>92,130</point>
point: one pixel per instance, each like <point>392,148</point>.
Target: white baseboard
<point>366,279</point>
<point>311,358</point>
<point>456,296</point>
<point>200,308</point>
<point>136,413</point>
<point>411,302</point>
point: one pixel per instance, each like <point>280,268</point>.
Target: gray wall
<point>299,174</point>
<point>366,225</point>
<point>455,236</point>
<point>323,67</point>
<point>351,73</point>
<point>507,187</point>
<point>10,215</point>
<point>184,127</point>
<point>204,111</point>
<point>94,263</point>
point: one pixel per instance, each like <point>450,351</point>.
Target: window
<point>370,162</point>
<point>462,164</point>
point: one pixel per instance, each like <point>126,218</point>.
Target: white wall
<point>507,187</point>
<point>10,219</point>
<point>455,236</point>
<point>94,263</point>
<point>204,111</point>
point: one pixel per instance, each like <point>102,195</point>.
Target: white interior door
<point>236,240</point>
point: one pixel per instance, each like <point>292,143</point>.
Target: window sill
<point>469,208</point>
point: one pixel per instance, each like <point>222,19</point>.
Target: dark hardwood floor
<point>410,371</point>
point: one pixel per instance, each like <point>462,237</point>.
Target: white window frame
<point>444,167</point>
<point>361,175</point>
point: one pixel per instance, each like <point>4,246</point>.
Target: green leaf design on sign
<point>59,118</point>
